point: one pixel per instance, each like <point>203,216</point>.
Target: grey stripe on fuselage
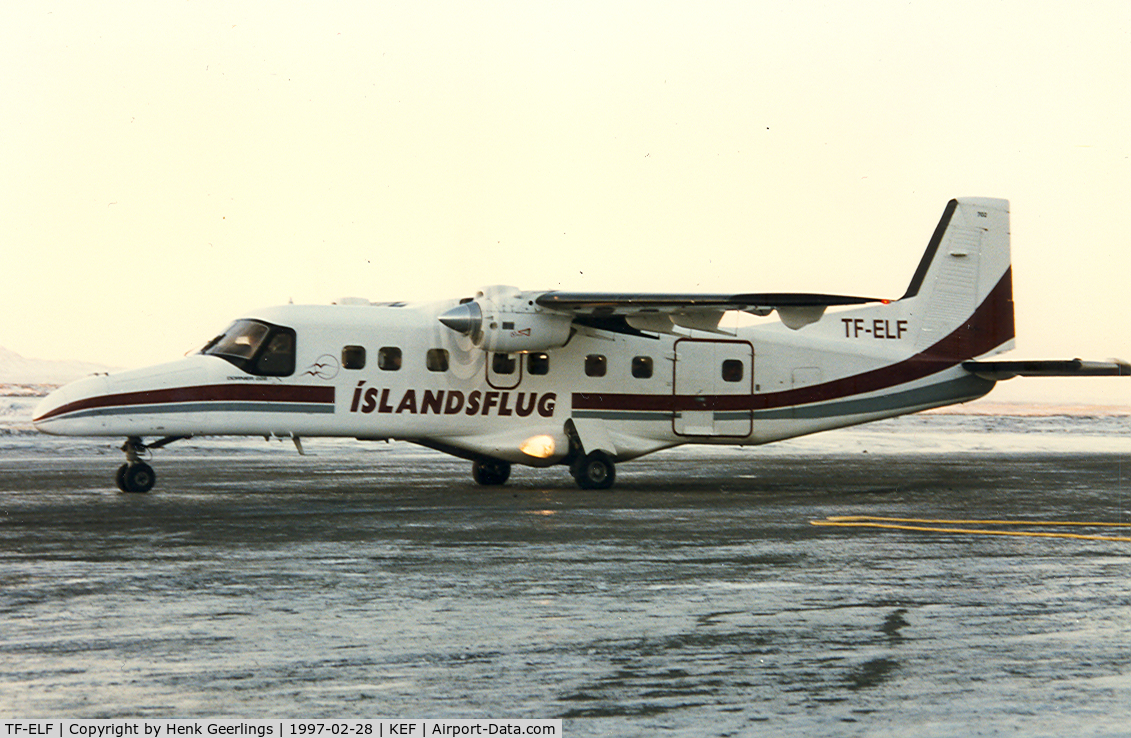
<point>205,407</point>
<point>957,390</point>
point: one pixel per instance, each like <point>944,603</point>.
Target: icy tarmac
<point>694,599</point>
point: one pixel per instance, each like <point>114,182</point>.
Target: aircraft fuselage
<point>378,372</point>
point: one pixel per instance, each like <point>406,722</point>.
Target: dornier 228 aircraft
<point>582,379</point>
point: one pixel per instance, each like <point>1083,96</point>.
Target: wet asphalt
<point>696,598</point>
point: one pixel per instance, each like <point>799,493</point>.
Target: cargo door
<point>713,383</point>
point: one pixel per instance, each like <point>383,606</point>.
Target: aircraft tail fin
<point>961,296</point>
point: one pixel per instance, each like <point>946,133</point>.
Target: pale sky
<point>168,166</point>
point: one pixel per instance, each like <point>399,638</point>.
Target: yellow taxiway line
<point>945,526</point>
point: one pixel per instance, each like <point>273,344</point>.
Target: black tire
<point>594,471</point>
<point>139,477</point>
<point>120,477</point>
<point>491,473</point>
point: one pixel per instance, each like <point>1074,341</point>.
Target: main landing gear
<point>136,475</point>
<point>595,470</point>
<point>491,472</point>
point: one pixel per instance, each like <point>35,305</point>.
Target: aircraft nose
<point>47,409</point>
<point>59,412</point>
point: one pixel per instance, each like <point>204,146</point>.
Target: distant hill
<point>15,369</point>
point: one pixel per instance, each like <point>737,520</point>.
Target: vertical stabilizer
<point>961,296</point>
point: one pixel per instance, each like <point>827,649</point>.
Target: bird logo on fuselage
<point>324,367</point>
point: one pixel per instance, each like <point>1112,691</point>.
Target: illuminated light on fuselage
<point>540,447</point>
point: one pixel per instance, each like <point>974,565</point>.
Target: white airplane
<point>586,380</point>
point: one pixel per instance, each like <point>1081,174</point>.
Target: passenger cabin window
<point>503,364</point>
<point>436,360</point>
<point>538,364</point>
<point>256,347</point>
<point>353,357</point>
<point>389,359</point>
<point>732,370</point>
<point>642,367</point>
<point>596,365</point>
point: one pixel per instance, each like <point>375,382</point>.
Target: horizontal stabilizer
<point>997,370</point>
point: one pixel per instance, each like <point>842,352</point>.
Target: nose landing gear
<point>136,475</point>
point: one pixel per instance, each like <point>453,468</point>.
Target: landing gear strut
<point>136,475</point>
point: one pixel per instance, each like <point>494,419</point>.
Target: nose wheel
<point>138,477</point>
<point>135,475</point>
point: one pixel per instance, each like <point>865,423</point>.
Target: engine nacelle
<point>506,321</point>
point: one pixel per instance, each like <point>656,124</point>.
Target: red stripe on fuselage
<point>202,393</point>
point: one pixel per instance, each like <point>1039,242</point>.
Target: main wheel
<point>491,473</point>
<point>138,477</point>
<point>594,471</point>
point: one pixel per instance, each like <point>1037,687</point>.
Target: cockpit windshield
<point>256,347</point>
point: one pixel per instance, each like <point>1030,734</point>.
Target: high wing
<point>661,312</point>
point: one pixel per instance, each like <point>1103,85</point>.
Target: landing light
<point>540,447</point>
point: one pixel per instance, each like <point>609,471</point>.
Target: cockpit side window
<point>256,348</point>
<point>277,359</point>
